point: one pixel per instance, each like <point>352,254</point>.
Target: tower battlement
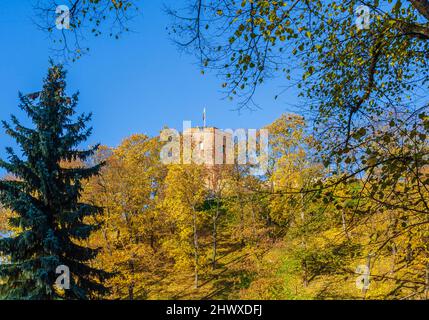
<point>209,145</point>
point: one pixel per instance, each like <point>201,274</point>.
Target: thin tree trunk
<point>132,284</point>
<point>195,250</point>
<point>393,266</point>
<point>215,218</point>
<point>343,218</point>
<point>304,265</point>
<point>241,223</point>
<point>427,282</point>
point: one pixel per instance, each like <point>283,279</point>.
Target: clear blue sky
<point>137,84</point>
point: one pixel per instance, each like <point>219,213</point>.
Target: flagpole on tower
<point>204,118</point>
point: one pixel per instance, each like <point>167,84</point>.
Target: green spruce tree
<point>45,198</point>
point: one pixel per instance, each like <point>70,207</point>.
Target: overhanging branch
<point>422,6</point>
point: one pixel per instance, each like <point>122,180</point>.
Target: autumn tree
<point>129,188</point>
<point>186,192</point>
